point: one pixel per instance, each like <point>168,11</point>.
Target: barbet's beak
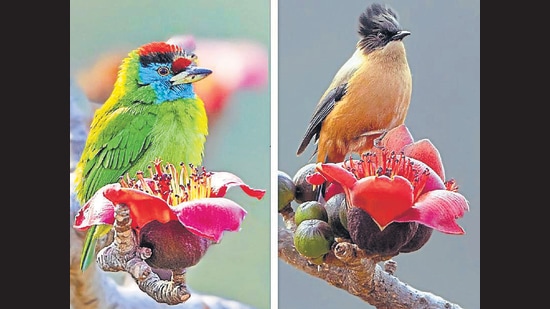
<point>191,74</point>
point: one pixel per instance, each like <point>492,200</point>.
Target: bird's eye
<point>381,35</point>
<point>163,71</point>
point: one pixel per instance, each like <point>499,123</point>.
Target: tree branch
<point>124,254</point>
<point>347,267</point>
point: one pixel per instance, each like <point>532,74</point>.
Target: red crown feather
<point>158,47</point>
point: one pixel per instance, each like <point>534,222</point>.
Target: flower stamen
<point>123,183</point>
<point>390,164</point>
<point>451,185</point>
<point>173,186</point>
<point>143,182</point>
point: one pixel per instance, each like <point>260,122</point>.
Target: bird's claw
<point>378,141</point>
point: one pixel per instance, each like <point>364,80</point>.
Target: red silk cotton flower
<point>402,181</point>
<point>187,207</point>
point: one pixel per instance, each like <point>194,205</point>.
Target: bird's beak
<point>400,35</point>
<point>190,75</point>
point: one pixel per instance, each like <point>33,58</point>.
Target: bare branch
<point>124,254</point>
<point>349,268</point>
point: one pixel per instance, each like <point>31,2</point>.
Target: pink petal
<point>433,182</point>
<point>334,172</point>
<point>315,179</point>
<point>423,150</point>
<point>396,139</point>
<point>333,189</point>
<point>438,209</point>
<point>98,210</point>
<point>144,207</point>
<point>221,181</point>
<point>383,198</point>
<point>210,217</point>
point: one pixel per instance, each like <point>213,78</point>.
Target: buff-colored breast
<point>377,98</point>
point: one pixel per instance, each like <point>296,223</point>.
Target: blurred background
<point>315,39</point>
<point>233,41</point>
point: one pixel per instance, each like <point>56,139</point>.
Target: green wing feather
<point>116,141</point>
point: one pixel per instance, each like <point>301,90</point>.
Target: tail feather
<point>88,248</point>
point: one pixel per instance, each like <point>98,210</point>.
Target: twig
<point>349,268</point>
<point>124,254</point>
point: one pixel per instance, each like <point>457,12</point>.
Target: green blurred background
<point>315,38</point>
<point>239,267</point>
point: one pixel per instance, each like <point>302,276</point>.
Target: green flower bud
<point>310,210</point>
<point>286,191</point>
<point>313,239</point>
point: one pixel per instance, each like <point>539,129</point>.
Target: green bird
<point>153,112</point>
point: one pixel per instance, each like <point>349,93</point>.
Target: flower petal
<point>433,181</point>
<point>221,181</point>
<point>333,189</point>
<point>144,207</point>
<point>316,179</point>
<point>334,172</point>
<point>424,151</point>
<point>97,210</point>
<point>210,217</point>
<point>395,140</point>
<point>438,209</point>
<point>383,198</point>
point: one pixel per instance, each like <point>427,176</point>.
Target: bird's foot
<point>378,140</point>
